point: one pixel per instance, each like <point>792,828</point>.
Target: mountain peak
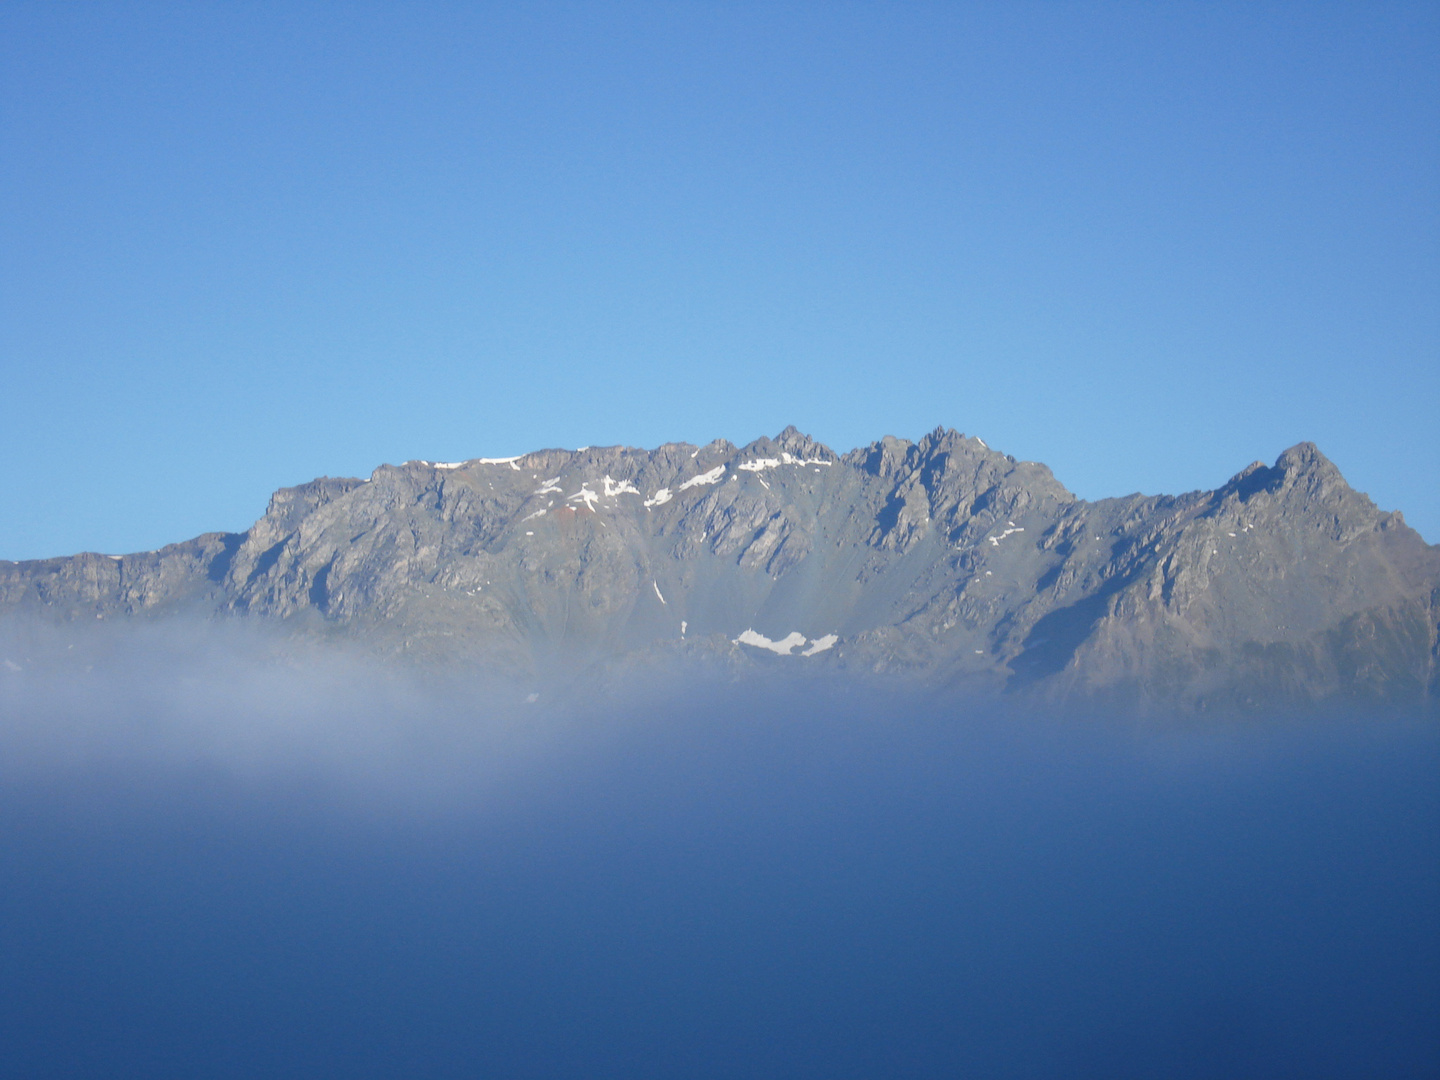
<point>1305,458</point>
<point>1302,467</point>
<point>939,558</point>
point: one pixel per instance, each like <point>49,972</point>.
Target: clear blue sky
<point>245,245</point>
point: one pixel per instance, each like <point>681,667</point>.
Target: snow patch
<point>656,586</point>
<point>785,645</point>
<point>660,498</point>
<point>585,495</point>
<point>683,627</point>
<point>711,477</point>
<point>623,487</point>
<point>758,465</point>
<point>820,644</point>
<point>531,517</point>
<point>549,486</point>
<point>760,641</point>
<point>995,540</point>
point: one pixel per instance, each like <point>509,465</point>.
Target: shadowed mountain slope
<point>939,561</point>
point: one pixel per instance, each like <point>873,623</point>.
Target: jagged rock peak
<point>1301,468</point>
<point>791,441</point>
<point>938,557</point>
<point>1305,461</point>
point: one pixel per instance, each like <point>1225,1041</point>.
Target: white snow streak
<point>660,498</point>
<point>656,586</point>
<point>585,495</point>
<point>758,465</point>
<point>760,641</point>
<point>711,477</point>
<point>623,487</point>
<point>820,644</point>
<point>785,645</point>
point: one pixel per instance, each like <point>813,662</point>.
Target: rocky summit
<point>939,562</point>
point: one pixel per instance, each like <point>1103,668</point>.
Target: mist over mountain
<point>219,866</point>
<point>684,763</point>
<point>939,563</point>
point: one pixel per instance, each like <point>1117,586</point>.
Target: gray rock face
<point>940,561</point>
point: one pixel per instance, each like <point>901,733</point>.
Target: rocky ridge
<point>940,561</point>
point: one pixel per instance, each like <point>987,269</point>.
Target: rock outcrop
<point>940,561</point>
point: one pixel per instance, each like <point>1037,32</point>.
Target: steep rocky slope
<point>940,561</point>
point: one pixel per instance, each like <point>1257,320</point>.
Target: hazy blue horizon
<point>227,853</point>
<point>293,872</point>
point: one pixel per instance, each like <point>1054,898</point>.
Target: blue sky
<point>246,245</point>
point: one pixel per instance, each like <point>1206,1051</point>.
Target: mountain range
<point>939,562</point>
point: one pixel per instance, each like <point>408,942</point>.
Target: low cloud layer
<point>223,857</point>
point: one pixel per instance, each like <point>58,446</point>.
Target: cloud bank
<point>222,857</point>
